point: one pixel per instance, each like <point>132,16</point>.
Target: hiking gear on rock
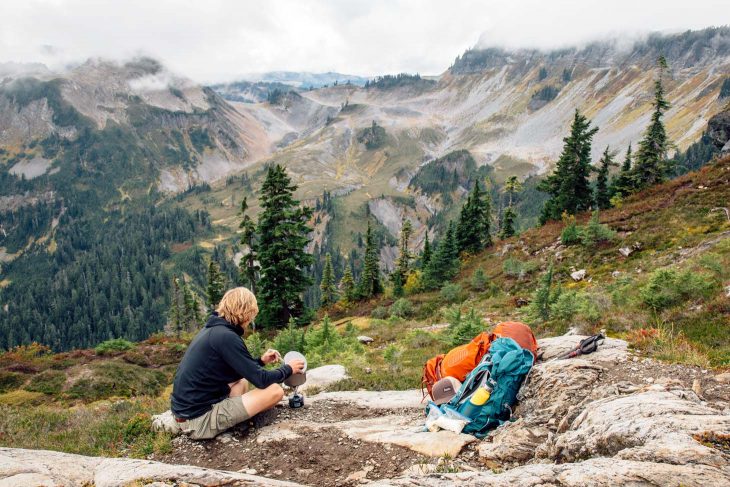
<point>444,390</point>
<point>461,360</point>
<point>586,346</point>
<point>216,357</point>
<point>501,372</point>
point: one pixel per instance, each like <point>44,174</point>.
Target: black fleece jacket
<point>216,357</point>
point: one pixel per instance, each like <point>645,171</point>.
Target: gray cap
<point>444,390</point>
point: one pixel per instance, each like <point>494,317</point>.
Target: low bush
<point>452,293</point>
<point>478,280</point>
<point>517,268</point>
<point>113,346</point>
<point>117,379</point>
<point>463,328</point>
<point>401,308</point>
<point>379,313</point>
<point>667,288</point>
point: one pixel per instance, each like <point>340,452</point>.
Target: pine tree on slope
<point>283,234</point>
<point>327,284</point>
<point>370,284</point>
<point>603,195</point>
<point>426,252</point>
<point>623,184</point>
<point>568,185</point>
<point>511,186</point>
<point>248,268</point>
<point>216,285</point>
<point>444,264</point>
<point>652,166</point>
<point>473,228</point>
<point>347,284</point>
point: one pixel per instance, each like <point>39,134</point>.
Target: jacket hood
<point>216,320</point>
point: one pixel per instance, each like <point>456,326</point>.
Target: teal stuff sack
<point>503,370</point>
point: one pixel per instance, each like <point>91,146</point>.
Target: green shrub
<point>10,380</point>
<point>401,308</point>
<point>256,344</point>
<point>667,288</point>
<point>595,232</point>
<point>464,328</point>
<point>392,356</point>
<point>570,234</point>
<point>112,346</point>
<point>379,313</point>
<point>140,424</point>
<point>478,280</point>
<point>290,338</point>
<point>451,293</point>
<point>565,307</point>
<point>517,268</point>
<point>47,382</point>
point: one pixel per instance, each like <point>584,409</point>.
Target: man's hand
<point>297,366</point>
<point>271,356</point>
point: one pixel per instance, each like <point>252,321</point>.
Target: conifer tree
<point>347,284</point>
<point>176,315</point>
<point>603,195</point>
<point>568,185</point>
<point>248,268</point>
<point>511,186</point>
<point>444,264</point>
<point>543,297</point>
<point>426,253</point>
<point>216,285</point>
<point>283,234</point>
<point>191,310</point>
<point>651,166</point>
<point>370,284</point>
<point>623,184</point>
<point>327,284</point>
<point>403,263</point>
<point>473,228</point>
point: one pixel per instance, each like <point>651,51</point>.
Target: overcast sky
<point>217,40</point>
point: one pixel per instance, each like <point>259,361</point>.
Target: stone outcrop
<point>718,129</point>
<point>19,467</point>
<point>608,418</point>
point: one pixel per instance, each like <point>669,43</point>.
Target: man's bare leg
<point>238,388</point>
<point>259,400</point>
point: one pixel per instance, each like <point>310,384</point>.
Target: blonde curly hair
<point>238,307</point>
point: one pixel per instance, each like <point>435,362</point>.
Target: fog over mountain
<point>220,40</point>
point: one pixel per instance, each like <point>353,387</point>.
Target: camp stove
<point>296,400</point>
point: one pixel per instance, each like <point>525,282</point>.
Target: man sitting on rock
<point>210,391</point>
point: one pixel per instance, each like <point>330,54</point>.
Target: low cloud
<point>218,40</point>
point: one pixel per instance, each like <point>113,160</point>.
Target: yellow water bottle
<point>477,400</point>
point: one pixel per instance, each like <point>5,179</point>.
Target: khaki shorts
<point>225,414</point>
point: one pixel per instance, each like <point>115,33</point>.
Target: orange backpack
<point>459,361</point>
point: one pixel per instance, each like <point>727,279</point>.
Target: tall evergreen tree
<point>403,263</point>
<point>191,308</point>
<point>623,183</point>
<point>347,284</point>
<point>652,166</point>
<point>603,194</point>
<point>327,284</point>
<point>248,267</point>
<point>444,264</point>
<point>370,284</point>
<point>473,228</point>
<point>426,252</point>
<point>216,285</point>
<point>283,234</point>
<point>176,313</point>
<point>568,186</point>
<point>511,186</point>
